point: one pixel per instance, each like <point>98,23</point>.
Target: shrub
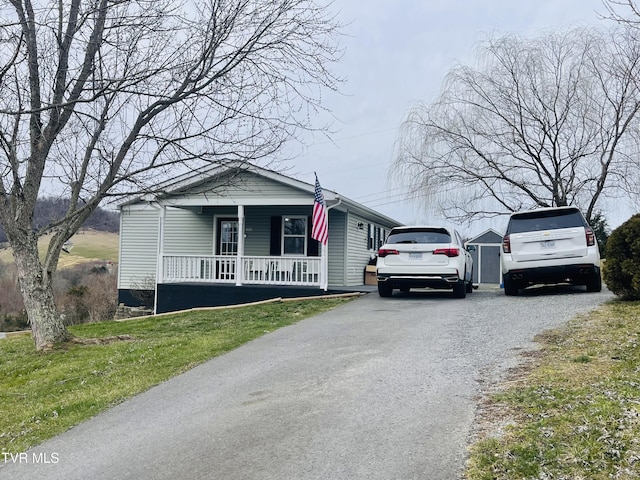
<point>145,291</point>
<point>102,296</point>
<point>14,323</point>
<point>622,268</point>
<point>12,314</point>
<point>601,231</point>
<point>86,293</point>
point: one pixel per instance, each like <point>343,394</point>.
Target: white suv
<point>547,246</point>
<point>424,256</point>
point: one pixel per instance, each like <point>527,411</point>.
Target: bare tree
<point>105,97</point>
<point>623,11</point>
<point>548,121</point>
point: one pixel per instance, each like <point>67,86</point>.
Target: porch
<point>299,271</point>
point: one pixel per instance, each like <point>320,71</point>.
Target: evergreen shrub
<point>621,270</point>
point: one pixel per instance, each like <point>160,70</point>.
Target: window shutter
<point>276,235</point>
<point>312,245</point>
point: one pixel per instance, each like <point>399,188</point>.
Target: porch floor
<point>181,296</point>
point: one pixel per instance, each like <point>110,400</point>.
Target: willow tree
<point>105,97</point>
<point>546,121</point>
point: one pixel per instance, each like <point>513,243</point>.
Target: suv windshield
<point>545,220</point>
<point>419,235</point>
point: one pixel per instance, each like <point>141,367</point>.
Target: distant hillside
<point>51,209</point>
<point>85,246</point>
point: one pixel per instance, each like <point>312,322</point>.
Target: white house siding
<point>187,232</point>
<point>357,245</point>
<point>138,245</point>
<point>245,185</point>
<point>337,251</point>
<point>258,225</point>
<point>258,230</point>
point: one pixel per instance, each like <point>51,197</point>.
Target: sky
<point>397,53</point>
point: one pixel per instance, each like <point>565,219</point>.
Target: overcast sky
<point>397,54</point>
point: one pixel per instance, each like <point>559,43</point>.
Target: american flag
<point>320,228</point>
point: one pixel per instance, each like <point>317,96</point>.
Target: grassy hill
<point>86,246</point>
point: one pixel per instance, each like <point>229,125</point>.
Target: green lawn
<point>43,395</point>
<point>575,412</point>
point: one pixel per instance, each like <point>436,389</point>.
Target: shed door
<point>489,264</point>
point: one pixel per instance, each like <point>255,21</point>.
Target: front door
<point>226,244</point>
<point>227,241</point>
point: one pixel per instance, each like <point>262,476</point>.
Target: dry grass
<point>88,246</point>
<point>573,410</point>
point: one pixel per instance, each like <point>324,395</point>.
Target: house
<point>241,233</point>
<point>486,257</point>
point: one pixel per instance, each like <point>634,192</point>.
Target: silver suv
<point>548,246</point>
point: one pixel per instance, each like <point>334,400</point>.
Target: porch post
<point>240,253</point>
<point>159,261</point>
<point>324,265</point>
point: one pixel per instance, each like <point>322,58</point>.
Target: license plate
<point>548,244</point>
<point>415,256</point>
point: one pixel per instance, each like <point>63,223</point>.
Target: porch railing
<point>255,270</point>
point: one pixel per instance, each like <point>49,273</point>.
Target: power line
<point>375,205</point>
<point>374,202</point>
<point>351,137</point>
<point>377,193</point>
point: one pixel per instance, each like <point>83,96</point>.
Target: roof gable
<point>247,184</point>
<point>488,236</point>
<point>244,184</point>
<point>234,172</point>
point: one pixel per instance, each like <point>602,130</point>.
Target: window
<point>376,237</point>
<point>420,235</point>
<point>546,220</point>
<point>294,235</point>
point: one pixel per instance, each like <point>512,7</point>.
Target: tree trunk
<point>37,292</point>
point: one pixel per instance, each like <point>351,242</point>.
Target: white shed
<point>486,257</point>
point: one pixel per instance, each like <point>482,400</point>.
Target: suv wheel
<point>595,283</point>
<point>510,288</point>
<point>384,289</point>
<point>460,289</point>
<point>470,284</point>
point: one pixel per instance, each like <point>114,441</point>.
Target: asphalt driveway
<point>376,389</point>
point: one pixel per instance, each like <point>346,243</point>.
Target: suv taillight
<point>591,237</point>
<point>449,252</point>
<point>383,252</point>
<point>506,244</point>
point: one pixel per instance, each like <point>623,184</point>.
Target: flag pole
<point>320,231</point>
